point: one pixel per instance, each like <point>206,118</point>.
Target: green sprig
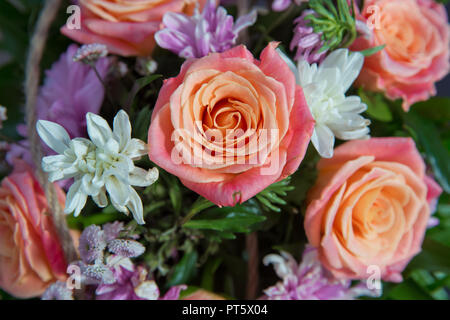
<point>271,197</point>
<point>336,24</point>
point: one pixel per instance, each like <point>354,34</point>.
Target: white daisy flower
<point>102,164</point>
<point>324,88</point>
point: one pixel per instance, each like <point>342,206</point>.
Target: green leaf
<point>434,256</point>
<point>336,25</point>
<point>6,296</point>
<point>436,154</point>
<point>408,290</point>
<point>429,283</point>
<point>209,272</point>
<point>140,84</point>
<point>377,108</point>
<point>174,190</point>
<point>141,124</point>
<point>108,214</point>
<point>270,198</point>
<point>371,51</point>
<point>436,109</point>
<point>184,270</point>
<point>228,219</point>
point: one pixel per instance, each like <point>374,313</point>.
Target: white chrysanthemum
<point>335,114</point>
<point>104,163</point>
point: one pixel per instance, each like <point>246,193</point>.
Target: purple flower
<point>132,283</point>
<point>90,53</point>
<point>92,244</point>
<point>112,230</point>
<point>306,41</point>
<point>58,291</point>
<point>213,30</point>
<point>126,248</point>
<point>71,89</point>
<point>309,280</point>
<point>281,5</point>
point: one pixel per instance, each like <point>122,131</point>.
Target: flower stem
<point>108,96</point>
<point>199,205</point>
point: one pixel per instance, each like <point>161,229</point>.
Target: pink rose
<point>31,257</point>
<point>370,206</point>
<point>416,35</point>
<point>201,294</point>
<point>126,27</point>
<point>229,125</point>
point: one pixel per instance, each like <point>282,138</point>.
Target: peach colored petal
<point>401,150</point>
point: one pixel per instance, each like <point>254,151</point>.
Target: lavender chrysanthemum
<point>98,273</point>
<point>112,230</point>
<point>212,30</point>
<point>126,248</point>
<point>281,5</point>
<point>58,291</point>
<point>132,283</point>
<point>306,41</point>
<point>92,244</point>
<point>309,280</point>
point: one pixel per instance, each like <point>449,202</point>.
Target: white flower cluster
<point>324,88</point>
<point>102,164</point>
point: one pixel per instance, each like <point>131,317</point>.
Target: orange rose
<point>229,125</point>
<point>31,257</point>
<point>127,27</point>
<point>201,294</point>
<point>416,55</point>
<point>370,206</point>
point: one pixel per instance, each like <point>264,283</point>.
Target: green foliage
<point>336,24</point>
<point>427,136</point>
<point>271,197</point>
<point>372,51</point>
<point>5,296</point>
<point>139,84</point>
<point>184,270</point>
<point>407,290</point>
<point>209,273</point>
<point>435,256</point>
<point>377,107</point>
<point>238,219</point>
<point>142,122</point>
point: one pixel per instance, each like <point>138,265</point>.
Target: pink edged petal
<point>170,85</point>
<point>21,185</point>
<point>115,46</point>
<point>410,93</point>
<point>129,31</point>
<point>156,13</point>
<point>401,150</point>
<point>433,193</point>
<point>53,250</point>
<point>238,52</point>
<point>301,127</point>
<point>272,64</point>
<point>203,295</point>
<point>241,187</point>
<point>32,248</point>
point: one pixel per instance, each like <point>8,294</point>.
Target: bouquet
<point>215,150</point>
